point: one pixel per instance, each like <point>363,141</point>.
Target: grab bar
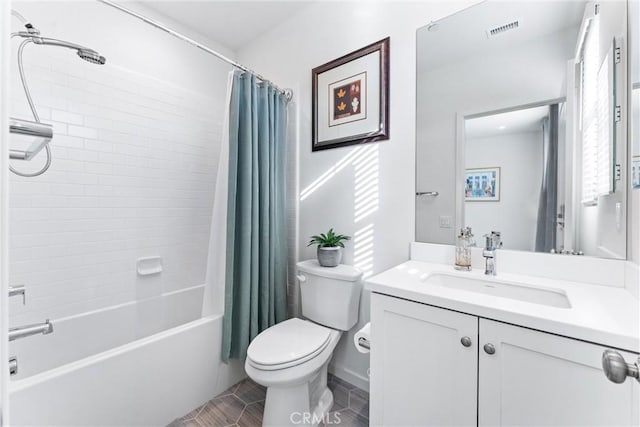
<point>26,331</point>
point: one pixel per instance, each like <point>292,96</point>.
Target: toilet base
<point>305,404</point>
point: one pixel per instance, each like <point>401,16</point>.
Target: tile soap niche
<point>149,266</point>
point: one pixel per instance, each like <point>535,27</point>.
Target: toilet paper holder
<point>362,341</point>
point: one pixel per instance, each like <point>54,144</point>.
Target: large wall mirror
<point>521,126</point>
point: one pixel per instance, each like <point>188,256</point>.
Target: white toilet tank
<point>330,295</point>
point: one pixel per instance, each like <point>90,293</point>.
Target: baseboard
<point>350,376</point>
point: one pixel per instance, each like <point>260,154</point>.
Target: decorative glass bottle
<point>464,242</point>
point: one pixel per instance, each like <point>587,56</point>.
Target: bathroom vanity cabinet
<point>434,366</point>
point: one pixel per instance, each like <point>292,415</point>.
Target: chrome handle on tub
<point>18,290</point>
<point>13,366</point>
<point>616,369</point>
<point>301,278</point>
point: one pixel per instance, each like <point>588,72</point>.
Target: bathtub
<point>137,364</point>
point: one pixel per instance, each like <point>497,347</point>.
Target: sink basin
<point>499,288</point>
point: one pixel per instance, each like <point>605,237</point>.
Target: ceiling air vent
<point>492,32</point>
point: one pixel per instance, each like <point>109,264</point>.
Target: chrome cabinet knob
<point>616,369</point>
<point>466,341</point>
<point>489,348</point>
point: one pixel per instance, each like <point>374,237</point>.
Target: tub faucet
<point>492,243</point>
<point>26,331</point>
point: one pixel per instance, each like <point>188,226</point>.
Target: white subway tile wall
<point>133,175</point>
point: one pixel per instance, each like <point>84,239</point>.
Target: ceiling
<point>519,121</point>
<point>464,33</point>
<point>230,23</point>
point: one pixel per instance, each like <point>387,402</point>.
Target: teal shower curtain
<point>256,250</point>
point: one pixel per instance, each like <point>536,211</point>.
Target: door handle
<point>616,369</point>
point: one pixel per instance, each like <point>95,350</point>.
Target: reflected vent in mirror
<point>492,32</point>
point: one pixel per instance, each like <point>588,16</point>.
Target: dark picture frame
<point>350,101</point>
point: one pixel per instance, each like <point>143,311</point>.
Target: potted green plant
<point>329,247</point>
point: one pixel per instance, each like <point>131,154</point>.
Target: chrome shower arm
<point>56,42</point>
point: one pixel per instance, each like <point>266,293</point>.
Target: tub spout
<point>26,331</point>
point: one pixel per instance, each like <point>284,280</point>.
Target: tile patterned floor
<point>242,405</point>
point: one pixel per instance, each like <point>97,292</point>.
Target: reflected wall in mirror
<point>530,90</point>
<point>528,146</point>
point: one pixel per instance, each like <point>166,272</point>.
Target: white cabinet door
<point>535,378</point>
<point>421,373</point>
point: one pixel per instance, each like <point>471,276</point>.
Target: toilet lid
<point>288,343</point>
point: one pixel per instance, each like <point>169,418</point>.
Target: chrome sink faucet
<point>492,243</point>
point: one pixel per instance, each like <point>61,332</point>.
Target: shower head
<point>92,56</point>
<point>85,53</point>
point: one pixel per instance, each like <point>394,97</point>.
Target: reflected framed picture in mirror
<point>350,102</point>
<point>482,185</point>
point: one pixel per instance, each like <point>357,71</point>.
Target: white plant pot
<point>329,257</point>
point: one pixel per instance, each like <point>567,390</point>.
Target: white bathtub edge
<point>18,385</point>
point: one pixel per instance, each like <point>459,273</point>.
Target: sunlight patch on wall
<point>365,162</point>
<point>322,179</point>
<point>366,183</point>
<point>363,249</point>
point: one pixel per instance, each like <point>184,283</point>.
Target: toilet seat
<point>287,344</point>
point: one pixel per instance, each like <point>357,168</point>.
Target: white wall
<point>286,55</point>
<point>535,72</point>
<point>134,160</point>
<point>519,157</point>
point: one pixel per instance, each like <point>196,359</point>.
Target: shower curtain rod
<point>288,93</point>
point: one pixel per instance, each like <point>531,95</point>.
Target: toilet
<point>291,357</point>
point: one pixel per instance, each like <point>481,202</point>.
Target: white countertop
<point>605,315</point>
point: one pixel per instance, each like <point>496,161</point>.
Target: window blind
<point>597,176</point>
<point>589,84</point>
<point>604,176</point>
